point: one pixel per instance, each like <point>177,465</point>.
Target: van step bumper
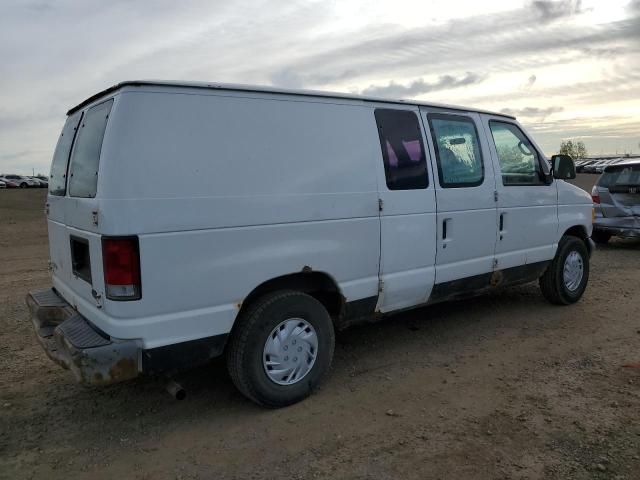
<point>72,342</point>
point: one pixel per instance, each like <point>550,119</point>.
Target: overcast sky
<point>566,69</point>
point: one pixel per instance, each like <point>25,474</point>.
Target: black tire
<point>552,281</point>
<point>247,342</point>
<point>23,185</point>
<point>600,237</point>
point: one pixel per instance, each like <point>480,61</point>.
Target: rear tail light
<point>121,263</point>
<point>594,194</point>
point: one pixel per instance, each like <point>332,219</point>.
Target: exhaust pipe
<point>176,390</point>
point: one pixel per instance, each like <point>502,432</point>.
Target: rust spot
<point>124,369</point>
<point>306,269</point>
<point>239,304</point>
<point>496,278</point>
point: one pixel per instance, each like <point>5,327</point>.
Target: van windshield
<point>58,181</point>
<point>85,159</point>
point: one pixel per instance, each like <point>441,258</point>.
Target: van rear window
<point>620,176</point>
<point>58,175</point>
<point>85,159</point>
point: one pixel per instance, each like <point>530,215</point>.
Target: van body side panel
<point>465,245</point>
<point>574,208</point>
<point>192,281</point>
<point>225,193</point>
<point>529,212</point>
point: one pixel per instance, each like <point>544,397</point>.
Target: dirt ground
<point>504,386</point>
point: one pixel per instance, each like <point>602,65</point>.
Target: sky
<point>567,69</point>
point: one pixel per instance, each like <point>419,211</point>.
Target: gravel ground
<point>504,386</point>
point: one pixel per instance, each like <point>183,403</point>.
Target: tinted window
<point>457,150</point>
<point>621,176</point>
<point>518,158</point>
<point>405,165</point>
<point>85,159</point>
<point>58,176</point>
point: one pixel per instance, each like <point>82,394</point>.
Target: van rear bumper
<point>71,341</point>
<point>622,226</point>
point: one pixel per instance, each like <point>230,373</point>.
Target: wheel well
<point>580,232</point>
<point>577,231</point>
<point>317,284</point>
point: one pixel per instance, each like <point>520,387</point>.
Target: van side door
<point>407,209</point>
<point>466,207</point>
<point>527,202</point>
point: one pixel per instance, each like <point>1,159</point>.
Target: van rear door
<point>73,209</point>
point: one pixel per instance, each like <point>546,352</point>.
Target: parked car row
<point>596,165</point>
<point>22,181</point>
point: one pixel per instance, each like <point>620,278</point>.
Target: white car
<point>20,180</point>
<point>191,220</point>
<point>2,184</point>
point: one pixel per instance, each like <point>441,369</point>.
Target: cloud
<point>549,10</point>
<point>532,79</point>
<point>464,44</point>
<point>532,112</point>
<point>68,51</point>
<point>420,86</point>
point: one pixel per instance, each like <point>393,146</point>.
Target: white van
<point>191,220</point>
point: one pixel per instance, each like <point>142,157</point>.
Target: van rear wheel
<point>281,348</point>
<point>565,279</point>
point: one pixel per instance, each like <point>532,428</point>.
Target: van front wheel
<point>281,347</point>
<point>565,280</point>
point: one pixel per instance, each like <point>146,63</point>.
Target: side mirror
<point>563,167</point>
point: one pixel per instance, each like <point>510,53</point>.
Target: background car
<point>600,168</point>
<point>583,164</point>
<point>591,167</point>
<point>9,183</point>
<point>616,199</point>
<point>2,184</point>
<point>43,181</point>
<point>19,181</point>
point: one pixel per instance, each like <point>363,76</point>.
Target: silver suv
<point>616,198</point>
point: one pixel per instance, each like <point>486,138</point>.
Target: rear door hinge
<point>380,204</point>
<point>495,195</point>
<point>380,285</point>
<point>495,263</point>
<point>94,215</point>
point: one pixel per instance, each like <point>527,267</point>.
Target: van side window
<point>458,154</point>
<point>519,161</point>
<point>405,164</point>
<point>58,175</point>
<point>83,171</point>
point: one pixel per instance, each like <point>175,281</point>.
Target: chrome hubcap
<point>290,351</point>
<point>573,271</point>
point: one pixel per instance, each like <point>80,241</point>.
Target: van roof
<point>265,89</point>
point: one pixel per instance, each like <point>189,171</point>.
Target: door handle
<point>445,232</point>
<point>501,229</point>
